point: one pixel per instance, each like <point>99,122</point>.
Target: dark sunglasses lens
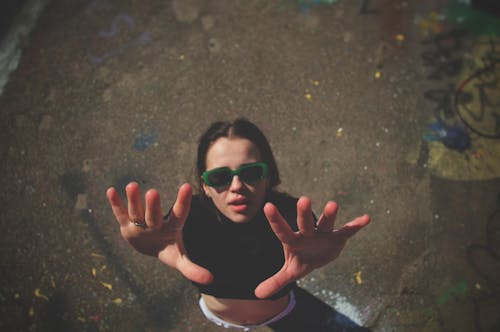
<point>220,178</point>
<point>252,174</point>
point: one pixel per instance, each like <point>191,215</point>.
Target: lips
<point>238,205</point>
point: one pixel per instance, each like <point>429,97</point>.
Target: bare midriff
<point>245,312</point>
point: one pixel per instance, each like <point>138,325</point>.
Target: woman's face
<point>238,201</point>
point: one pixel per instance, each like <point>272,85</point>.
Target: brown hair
<point>243,128</point>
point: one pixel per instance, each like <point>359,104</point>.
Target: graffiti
<point>128,20</point>
<point>145,140</point>
<point>478,21</point>
<point>431,24</point>
<point>453,136</point>
<point>480,109</point>
<point>444,63</point>
<point>442,99</point>
<point>465,115</point>
<point>116,26</point>
<point>443,60</point>
<point>476,254</point>
<point>449,294</point>
<point>365,8</point>
<point>485,104</point>
<point>143,39</point>
<point>491,248</point>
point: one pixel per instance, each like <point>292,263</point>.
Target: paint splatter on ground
<point>144,140</point>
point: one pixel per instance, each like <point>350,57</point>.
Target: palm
<point>159,238</point>
<point>307,253</point>
<point>308,248</point>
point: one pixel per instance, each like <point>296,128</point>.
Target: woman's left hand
<point>310,247</point>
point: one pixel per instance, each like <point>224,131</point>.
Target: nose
<point>236,184</point>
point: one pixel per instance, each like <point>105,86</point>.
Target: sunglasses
<point>223,176</point>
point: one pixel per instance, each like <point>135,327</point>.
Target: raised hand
<point>149,234</point>
<point>308,248</point>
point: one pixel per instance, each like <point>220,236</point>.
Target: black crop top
<point>239,255</point>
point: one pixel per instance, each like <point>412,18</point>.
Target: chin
<point>239,218</point>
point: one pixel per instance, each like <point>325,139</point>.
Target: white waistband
<point>213,318</point>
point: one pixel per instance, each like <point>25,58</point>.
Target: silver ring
<point>138,223</point>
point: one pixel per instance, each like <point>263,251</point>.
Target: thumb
<point>272,285</point>
<point>194,272</point>
<point>184,265</point>
<point>351,228</point>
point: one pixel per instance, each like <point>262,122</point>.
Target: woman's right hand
<point>158,237</point>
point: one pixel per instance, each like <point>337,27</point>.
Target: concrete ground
<point>361,101</point>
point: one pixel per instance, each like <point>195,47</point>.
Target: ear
<point>206,190</point>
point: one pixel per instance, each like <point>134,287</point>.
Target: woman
<point>242,243</point>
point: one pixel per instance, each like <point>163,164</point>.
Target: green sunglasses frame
<point>205,176</point>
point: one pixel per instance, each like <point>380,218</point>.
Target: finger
<point>181,207</point>
<point>354,226</point>
<point>272,285</point>
<point>326,222</point>
<point>153,209</point>
<point>305,219</point>
<point>278,224</point>
<point>119,210</point>
<point>194,272</point>
<point>184,265</point>
<point>135,207</point>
